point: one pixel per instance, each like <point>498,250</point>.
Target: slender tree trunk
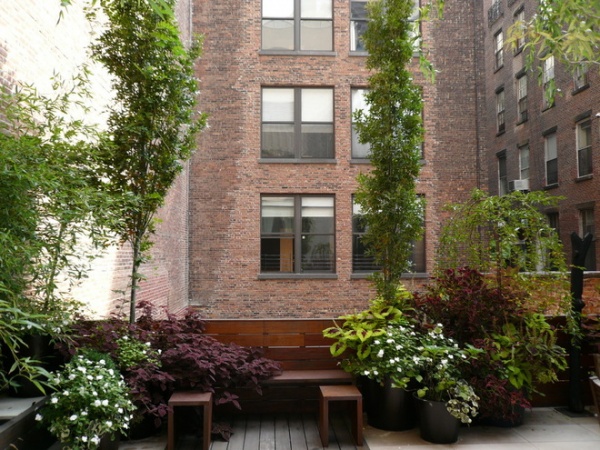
<point>134,278</point>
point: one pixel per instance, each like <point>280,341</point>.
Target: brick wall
<point>227,178</point>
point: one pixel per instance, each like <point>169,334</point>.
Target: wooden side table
<point>340,393</point>
<point>190,398</point>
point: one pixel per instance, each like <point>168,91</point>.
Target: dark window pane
<point>585,161</point>
<point>317,141</point>
<point>552,171</point>
<point>317,253</point>
<point>277,141</point>
<point>357,31</point>
<point>277,255</point>
<point>361,261</point>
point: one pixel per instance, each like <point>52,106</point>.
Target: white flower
<point>104,402</point>
<point>38,417</point>
<point>73,417</point>
<point>390,341</point>
<point>97,402</point>
<point>54,400</point>
<point>102,362</point>
<point>84,438</point>
<point>95,394</point>
<point>95,440</point>
<point>109,423</point>
<point>66,393</point>
<point>380,353</point>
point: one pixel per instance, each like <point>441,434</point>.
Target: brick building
<point>280,79</point>
<point>274,73</point>
<point>537,144</point>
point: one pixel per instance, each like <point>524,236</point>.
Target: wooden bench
<point>299,346</point>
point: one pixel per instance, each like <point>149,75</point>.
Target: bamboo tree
<point>153,122</point>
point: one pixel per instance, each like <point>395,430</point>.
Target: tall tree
<point>392,126</point>
<point>154,119</point>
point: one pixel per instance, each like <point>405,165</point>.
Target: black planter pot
<point>437,425</point>
<point>389,408</point>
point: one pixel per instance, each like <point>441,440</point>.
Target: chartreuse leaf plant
<point>364,338</point>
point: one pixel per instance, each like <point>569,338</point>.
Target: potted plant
<point>91,405</point>
<point>519,345</point>
<point>376,346</point>
<point>444,398</point>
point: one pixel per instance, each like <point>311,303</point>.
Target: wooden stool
<point>190,398</point>
<point>340,393</point>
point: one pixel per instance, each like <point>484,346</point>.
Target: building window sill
<point>297,276</point>
<point>584,178</point>
<point>296,53</point>
<point>550,186</point>
<point>296,161</point>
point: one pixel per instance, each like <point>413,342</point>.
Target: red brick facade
<point>228,176</point>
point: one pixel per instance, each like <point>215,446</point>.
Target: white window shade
<point>317,105</point>
<point>316,9</point>
<point>317,207</point>
<point>278,105</point>
<point>277,207</point>
<point>278,8</point>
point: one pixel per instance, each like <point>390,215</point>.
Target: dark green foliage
<point>393,212</point>
<point>153,122</point>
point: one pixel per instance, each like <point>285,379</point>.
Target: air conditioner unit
<point>518,185</point>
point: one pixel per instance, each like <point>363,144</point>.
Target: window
<point>584,148</point>
<point>548,81</point>
<point>580,77</point>
<point>297,25</point>
<point>519,18</point>
<point>499,49</point>
<point>524,162</point>
<point>522,98</point>
<point>502,175</point>
<point>297,123</point>
<point>500,110</point>
<point>363,262</point>
<point>551,156</point>
<point>359,151</point>
<point>553,222</point>
<point>358,24</point>
<point>297,234</point>
<point>586,220</point>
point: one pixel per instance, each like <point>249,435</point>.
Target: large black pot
<point>436,424</point>
<point>388,408</point>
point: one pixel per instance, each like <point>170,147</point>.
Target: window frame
<point>418,248</point>
<point>355,145</point>
<point>354,35</point>
<point>549,162</point>
<point>548,77</point>
<point>500,110</point>
<point>524,163</point>
<point>580,77</point>
<point>297,235</point>
<point>522,103</point>
<point>502,173</point>
<point>297,21</point>
<point>588,148</point>
<point>297,123</point>
<point>498,49</point>
<point>519,16</point>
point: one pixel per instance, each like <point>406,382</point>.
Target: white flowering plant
<point>393,354</point>
<point>440,360</point>
<point>91,400</point>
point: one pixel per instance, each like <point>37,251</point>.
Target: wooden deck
<point>264,432</point>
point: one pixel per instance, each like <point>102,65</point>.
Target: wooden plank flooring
<point>276,432</point>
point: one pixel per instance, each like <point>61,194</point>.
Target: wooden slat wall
<point>296,343</point>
